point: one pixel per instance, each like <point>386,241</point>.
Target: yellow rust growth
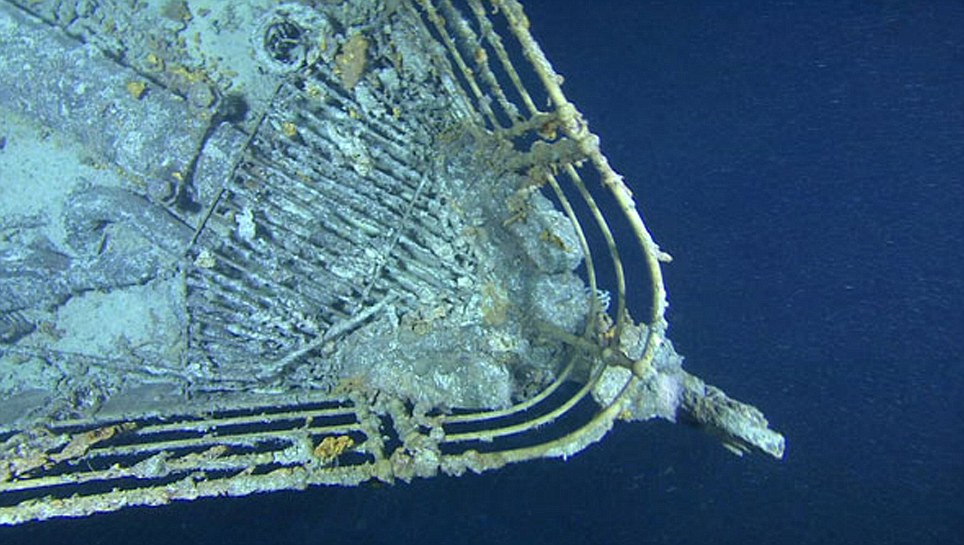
<point>480,56</point>
<point>332,447</point>
<point>187,75</point>
<point>351,60</point>
<point>137,88</point>
<point>155,63</point>
<point>314,90</point>
<point>80,443</point>
<point>554,239</point>
<point>289,129</point>
<point>549,130</point>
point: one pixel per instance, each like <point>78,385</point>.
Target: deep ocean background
<point>803,162</point>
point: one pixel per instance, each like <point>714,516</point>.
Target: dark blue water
<point>804,164</point>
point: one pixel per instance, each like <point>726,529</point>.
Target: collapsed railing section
<point>76,469</point>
